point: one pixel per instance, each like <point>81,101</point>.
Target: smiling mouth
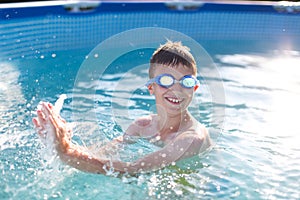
<point>173,100</point>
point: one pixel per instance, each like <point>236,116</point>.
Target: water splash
<point>50,152</point>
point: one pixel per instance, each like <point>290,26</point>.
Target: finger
<point>51,109</point>
<point>35,122</point>
<point>38,128</point>
<point>50,106</point>
<point>41,118</point>
<point>55,126</point>
<point>40,115</point>
<point>46,109</point>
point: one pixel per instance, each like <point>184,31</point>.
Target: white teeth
<point>173,100</point>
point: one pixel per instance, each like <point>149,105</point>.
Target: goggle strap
<point>150,82</point>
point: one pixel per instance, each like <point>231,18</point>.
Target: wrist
<point>63,146</point>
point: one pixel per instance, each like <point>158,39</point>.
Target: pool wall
<point>53,28</point>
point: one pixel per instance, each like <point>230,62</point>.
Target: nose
<point>176,87</point>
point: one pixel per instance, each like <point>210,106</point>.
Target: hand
<point>50,126</point>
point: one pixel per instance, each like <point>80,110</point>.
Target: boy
<point>173,82</point>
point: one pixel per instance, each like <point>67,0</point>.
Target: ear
<point>150,88</point>
<point>196,87</point>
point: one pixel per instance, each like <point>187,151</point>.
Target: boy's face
<point>176,98</point>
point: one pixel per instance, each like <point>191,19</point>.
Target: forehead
<point>176,71</point>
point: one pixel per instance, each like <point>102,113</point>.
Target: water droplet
<point>140,151</point>
<point>157,138</point>
<point>141,53</point>
<point>53,55</point>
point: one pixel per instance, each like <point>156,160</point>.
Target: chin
<point>175,111</point>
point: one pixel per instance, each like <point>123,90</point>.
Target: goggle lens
<point>188,82</point>
<point>166,81</point>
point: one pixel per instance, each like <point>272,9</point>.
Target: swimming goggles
<point>167,80</point>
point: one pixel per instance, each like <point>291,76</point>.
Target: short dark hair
<point>172,54</point>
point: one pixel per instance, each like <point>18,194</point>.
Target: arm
<point>185,145</point>
<point>140,125</point>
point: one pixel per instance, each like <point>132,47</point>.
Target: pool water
<point>256,152</point>
<point>257,155</point>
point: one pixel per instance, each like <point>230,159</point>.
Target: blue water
<point>256,153</point>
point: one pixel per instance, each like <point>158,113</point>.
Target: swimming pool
<point>250,53</point>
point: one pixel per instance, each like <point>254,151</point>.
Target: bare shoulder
<point>139,126</point>
<point>203,135</point>
<point>188,144</point>
<point>202,131</point>
<point>144,121</point>
<point>200,138</point>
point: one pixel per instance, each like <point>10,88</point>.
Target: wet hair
<point>172,54</point>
